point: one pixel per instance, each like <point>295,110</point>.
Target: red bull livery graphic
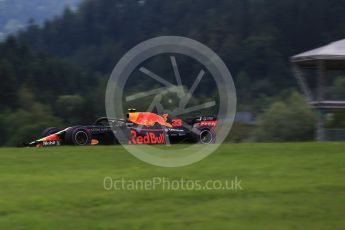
<point>146,138</point>
<point>148,119</point>
<point>138,128</point>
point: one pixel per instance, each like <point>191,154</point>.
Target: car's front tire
<point>78,135</point>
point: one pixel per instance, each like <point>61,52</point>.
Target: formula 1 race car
<point>138,128</point>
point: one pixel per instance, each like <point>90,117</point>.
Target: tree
<point>70,108</point>
<point>26,99</point>
<point>25,125</point>
<point>292,120</point>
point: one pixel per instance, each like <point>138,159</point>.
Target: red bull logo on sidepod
<point>148,138</point>
<point>148,119</point>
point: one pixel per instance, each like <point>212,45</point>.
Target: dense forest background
<point>55,73</point>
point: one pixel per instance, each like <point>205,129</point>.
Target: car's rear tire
<point>78,135</point>
<point>204,135</point>
<point>207,136</point>
<point>50,131</point>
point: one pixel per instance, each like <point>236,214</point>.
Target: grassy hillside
<point>285,186</point>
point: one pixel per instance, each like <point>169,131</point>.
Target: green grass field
<point>285,186</point>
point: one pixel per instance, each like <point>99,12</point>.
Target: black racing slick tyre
<point>50,131</point>
<point>78,135</point>
<point>205,135</point>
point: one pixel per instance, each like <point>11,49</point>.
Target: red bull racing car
<point>137,128</point>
